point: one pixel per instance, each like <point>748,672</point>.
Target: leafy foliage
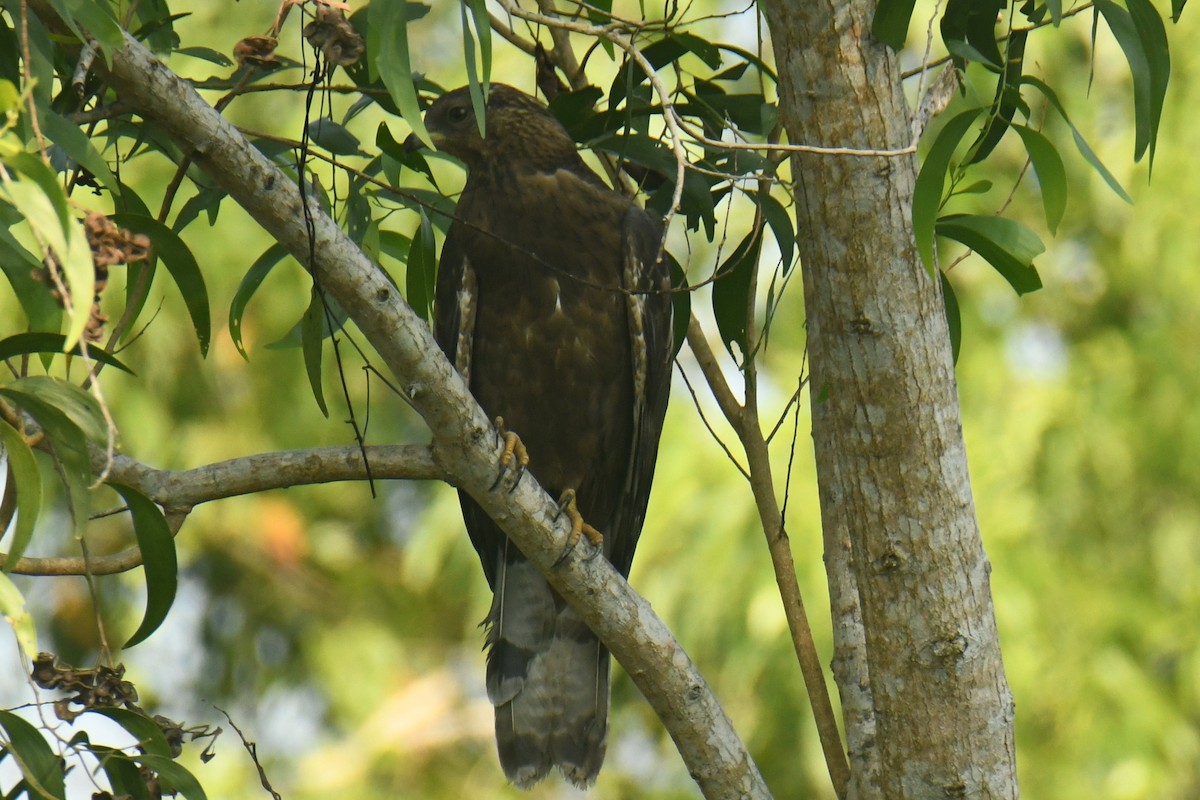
<point>395,203</point>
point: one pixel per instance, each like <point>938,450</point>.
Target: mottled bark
<point>915,629</point>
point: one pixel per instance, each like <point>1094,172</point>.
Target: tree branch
<point>178,491</point>
<point>464,444</point>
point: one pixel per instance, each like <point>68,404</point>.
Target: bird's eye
<point>458,113</point>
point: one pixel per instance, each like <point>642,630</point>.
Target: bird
<point>553,301</point>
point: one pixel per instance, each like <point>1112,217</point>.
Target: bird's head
<point>521,132</point>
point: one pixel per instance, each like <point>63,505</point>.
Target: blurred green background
<point>339,630</point>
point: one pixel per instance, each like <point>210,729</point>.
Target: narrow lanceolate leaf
<point>145,731</point>
<point>931,182</point>
<point>173,775</point>
<point>12,609</point>
<point>158,559</point>
<point>77,146</point>
<point>312,340</point>
<point>68,417</point>
<point>1152,34</point>
<point>1006,244</point>
<point>1051,174</point>
<point>1143,40</point>
<point>1008,97</point>
<point>390,20</point>
<point>258,272</point>
<point>420,275</point>
<point>28,343</point>
<point>181,265</point>
<point>1080,143</point>
<point>27,483</point>
<point>953,316</point>
<point>730,295</point>
<point>478,78</point>
<point>38,763</point>
<point>780,223</point>
<point>890,24</point>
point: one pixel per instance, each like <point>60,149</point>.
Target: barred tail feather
<point>548,677</point>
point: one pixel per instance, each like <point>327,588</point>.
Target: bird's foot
<point>514,451</point>
<point>579,528</point>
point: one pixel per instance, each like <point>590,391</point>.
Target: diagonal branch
<point>464,441</point>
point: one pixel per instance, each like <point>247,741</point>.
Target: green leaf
<point>94,17</point>
<point>477,80</point>
<point>78,146</point>
<point>780,222</point>
<point>389,21</point>
<point>19,265</point>
<point>953,316</point>
<point>730,294</point>
<point>206,54</point>
<point>68,416</point>
<point>681,302</point>
<point>124,775</point>
<point>26,343</point>
<point>1051,174</point>
<point>1008,97</point>
<point>1080,143</point>
<point>931,181</point>
<point>27,482</point>
<point>1149,68</point>
<point>890,24</point>
<point>258,272</point>
<point>1006,244</point>
<point>174,776</point>
<point>421,273</point>
<point>79,407</point>
<point>335,138</point>
<point>312,339</point>
<point>12,608</point>
<point>158,560</point>
<point>1177,9</point>
<point>1152,35</point>
<point>40,765</point>
<point>181,265</point>
<point>143,729</point>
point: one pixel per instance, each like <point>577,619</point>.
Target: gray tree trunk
<point>927,708</point>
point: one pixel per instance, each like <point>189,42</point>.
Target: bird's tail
<point>548,677</point>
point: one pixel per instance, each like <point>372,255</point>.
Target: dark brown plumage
<point>552,303</point>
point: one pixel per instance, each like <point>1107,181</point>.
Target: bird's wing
<point>647,278</point>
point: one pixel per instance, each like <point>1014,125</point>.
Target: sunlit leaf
<point>389,22</point>
<point>27,484</point>
<point>12,609</point>
<point>478,76</point>
<point>159,561</point>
